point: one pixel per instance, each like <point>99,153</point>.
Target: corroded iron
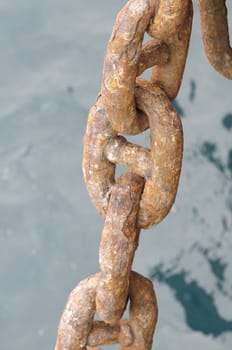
<point>215,33</point>
<point>172,24</point>
<point>143,196</point>
<point>78,329</point>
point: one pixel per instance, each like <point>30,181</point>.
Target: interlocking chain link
<point>215,32</point>
<point>144,195</point>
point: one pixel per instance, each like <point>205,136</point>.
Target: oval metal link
<point>173,24</point>
<point>117,248</point>
<point>168,18</point>
<point>78,330</point>
<point>215,32</point>
<point>166,156</point>
<point>97,170</point>
<point>129,155</point>
<point>166,138</point>
<point>77,318</point>
<point>165,126</point>
<point>121,67</point>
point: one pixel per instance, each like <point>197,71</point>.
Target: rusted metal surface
<point>164,157</point>
<point>215,33</point>
<point>121,67</point>
<point>166,140</point>
<point>118,244</point>
<point>143,196</point>
<point>173,24</point>
<point>78,329</point>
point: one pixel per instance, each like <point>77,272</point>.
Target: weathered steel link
<point>144,195</point>
<point>168,18</point>
<point>98,171</point>
<point>153,52</point>
<point>104,333</point>
<point>166,156</point>
<point>118,244</point>
<point>166,139</point>
<point>172,24</point>
<point>78,329</point>
<point>215,32</point>
<point>121,67</point>
<point>113,106</point>
<point>129,155</point>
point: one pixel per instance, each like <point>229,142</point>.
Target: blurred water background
<point>51,61</point>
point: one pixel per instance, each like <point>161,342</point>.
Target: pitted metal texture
<point>145,193</point>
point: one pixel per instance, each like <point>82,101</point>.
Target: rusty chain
<point>145,194</point>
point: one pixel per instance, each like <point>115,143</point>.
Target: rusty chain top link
<point>144,195</point>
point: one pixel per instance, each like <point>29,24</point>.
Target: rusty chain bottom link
<point>83,331</point>
<point>107,292</point>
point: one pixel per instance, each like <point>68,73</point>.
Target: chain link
<point>144,195</point>
<point>215,32</point>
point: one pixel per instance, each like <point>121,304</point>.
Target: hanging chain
<point>144,195</point>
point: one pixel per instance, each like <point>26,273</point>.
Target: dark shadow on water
<point>199,306</point>
<point>208,150</point>
<point>218,268</point>
<point>229,163</point>
<point>193,87</point>
<point>227,121</point>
